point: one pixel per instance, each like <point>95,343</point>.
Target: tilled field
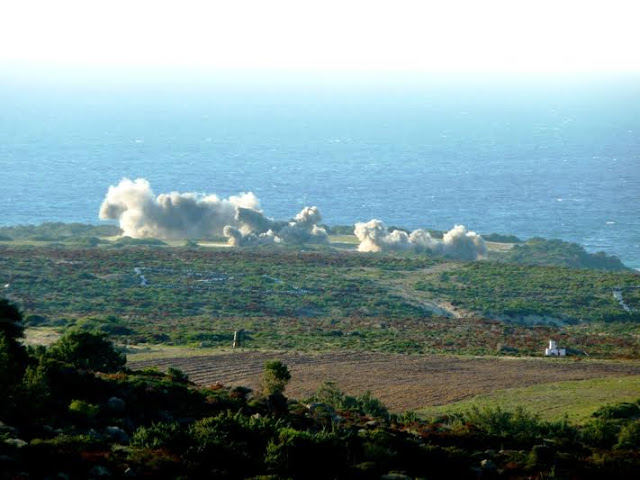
<point>402,382</point>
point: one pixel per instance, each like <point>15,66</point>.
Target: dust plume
<point>461,243</point>
<point>456,243</point>
<point>254,228</point>
<point>171,216</point>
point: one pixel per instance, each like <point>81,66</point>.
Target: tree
<point>5,362</point>
<point>13,356</point>
<point>12,353</point>
<point>275,377</point>
<point>10,321</point>
<point>87,350</point>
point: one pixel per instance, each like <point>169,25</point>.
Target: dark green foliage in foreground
<point>11,325</point>
<point>87,350</point>
<point>73,423</point>
<point>13,356</point>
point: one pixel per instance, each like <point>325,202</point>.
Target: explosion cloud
<point>255,228</point>
<point>456,243</point>
<point>461,243</point>
<point>174,215</point>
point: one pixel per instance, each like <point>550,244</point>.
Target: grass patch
<point>140,353</point>
<point>41,336</point>
<point>552,401</point>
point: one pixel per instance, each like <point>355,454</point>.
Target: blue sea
<point>557,158</point>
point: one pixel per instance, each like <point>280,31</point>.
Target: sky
<point>325,35</point>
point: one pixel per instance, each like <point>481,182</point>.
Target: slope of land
<point>402,382</point>
<point>323,300</point>
<point>576,400</point>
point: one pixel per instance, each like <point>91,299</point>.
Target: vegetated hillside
<point>539,251</point>
<point>515,292</point>
<point>535,251</point>
<point>73,411</point>
<point>58,232</point>
<point>322,299</point>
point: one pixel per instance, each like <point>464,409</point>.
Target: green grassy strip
<point>552,401</point>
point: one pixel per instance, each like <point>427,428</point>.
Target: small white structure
<point>554,351</point>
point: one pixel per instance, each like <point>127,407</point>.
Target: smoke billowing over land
<point>170,216</point>
<point>253,228</point>
<point>456,243</point>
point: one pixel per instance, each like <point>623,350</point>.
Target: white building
<point>554,351</point>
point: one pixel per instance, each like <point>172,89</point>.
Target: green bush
<point>518,424</point>
<point>10,321</point>
<point>629,437</point>
<point>84,408</point>
<point>275,377</point>
<point>302,454</point>
<point>600,433</point>
<point>177,375</point>
<point>87,350</point>
<point>618,411</point>
<point>237,437</point>
<point>364,404</point>
<point>160,435</point>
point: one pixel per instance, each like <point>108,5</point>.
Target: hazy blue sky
<point>399,35</point>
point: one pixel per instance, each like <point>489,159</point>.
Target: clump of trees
<point>87,351</point>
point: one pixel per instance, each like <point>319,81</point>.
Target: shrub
<point>84,408</point>
<point>367,404</point>
<point>275,377</point>
<point>10,321</point>
<point>303,454</point>
<point>235,437</point>
<point>600,433</point>
<point>519,424</point>
<point>177,375</point>
<point>617,411</point>
<point>629,437</point>
<point>87,350</point>
<point>364,404</point>
<point>160,435</point>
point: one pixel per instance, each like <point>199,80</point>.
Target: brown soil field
<point>402,382</point>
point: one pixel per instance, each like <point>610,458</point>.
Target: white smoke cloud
<point>422,241</point>
<point>371,235</point>
<point>255,228</point>
<point>456,243</point>
<point>461,243</point>
<point>374,237</point>
<point>174,215</point>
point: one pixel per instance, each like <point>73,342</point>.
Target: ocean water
<point>538,158</point>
